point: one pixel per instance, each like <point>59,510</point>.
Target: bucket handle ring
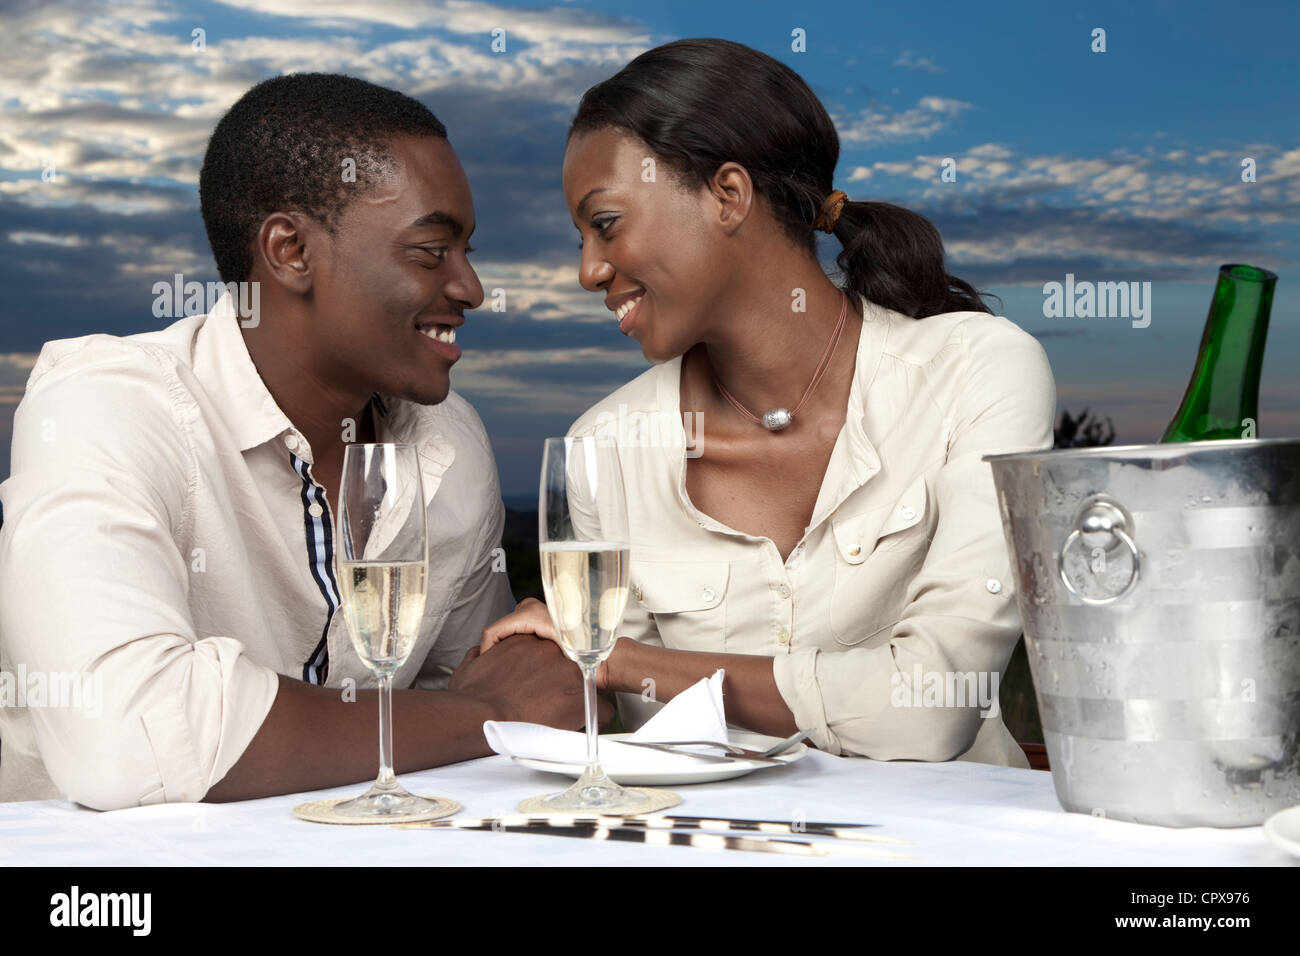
<point>1102,523</point>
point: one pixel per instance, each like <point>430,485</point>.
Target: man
<point>168,523</point>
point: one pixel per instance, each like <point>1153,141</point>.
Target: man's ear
<point>286,247</point>
<point>733,192</point>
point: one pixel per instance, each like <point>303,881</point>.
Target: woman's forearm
<point>749,688</point>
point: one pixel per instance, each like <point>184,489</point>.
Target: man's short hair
<point>284,145</point>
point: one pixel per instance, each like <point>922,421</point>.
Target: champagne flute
<point>383,563</point>
<point>584,545</point>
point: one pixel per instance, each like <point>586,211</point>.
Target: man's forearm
<point>312,739</point>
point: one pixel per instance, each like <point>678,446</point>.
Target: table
<point>959,813</point>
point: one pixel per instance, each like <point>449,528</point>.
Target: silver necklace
<point>777,419</point>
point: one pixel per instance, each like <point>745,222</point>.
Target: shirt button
<point>784,635</point>
<point>315,510</point>
<point>785,592</point>
<point>636,592</point>
<point>908,512</point>
<point>855,551</point>
<point>707,594</point>
<point>290,441</point>
<point>994,585</point>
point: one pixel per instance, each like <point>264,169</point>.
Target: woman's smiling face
<point>644,239</point>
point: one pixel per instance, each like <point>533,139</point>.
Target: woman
<point>832,538</point>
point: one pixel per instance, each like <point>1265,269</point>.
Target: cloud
<point>881,124</point>
<point>546,379</point>
<point>120,100</point>
<point>1012,218</point>
<point>22,238</point>
<point>462,17</point>
<point>910,61</point>
<point>121,94</point>
<point>122,105</point>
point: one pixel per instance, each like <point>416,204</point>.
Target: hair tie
<point>830,211</point>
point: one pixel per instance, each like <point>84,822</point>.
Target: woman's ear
<point>733,194</point>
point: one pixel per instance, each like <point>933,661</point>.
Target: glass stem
<point>386,776</point>
<point>593,721</point>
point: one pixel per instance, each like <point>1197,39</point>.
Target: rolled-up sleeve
<point>959,614</point>
<point>93,589</point>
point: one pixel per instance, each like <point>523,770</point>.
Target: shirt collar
<point>223,365</point>
<point>854,460</point>
<point>397,420</point>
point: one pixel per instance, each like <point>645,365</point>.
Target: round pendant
<point>777,419</point>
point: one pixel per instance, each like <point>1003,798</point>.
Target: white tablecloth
<point>962,814</point>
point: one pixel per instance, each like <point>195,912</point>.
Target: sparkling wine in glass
<point>584,548</point>
<point>383,569</point>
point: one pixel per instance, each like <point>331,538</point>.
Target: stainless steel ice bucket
<point>1159,588</point>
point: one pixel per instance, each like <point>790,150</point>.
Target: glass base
<point>392,801</point>
<point>596,793</point>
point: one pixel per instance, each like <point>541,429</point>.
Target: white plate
<point>1283,828</point>
<point>691,771</point>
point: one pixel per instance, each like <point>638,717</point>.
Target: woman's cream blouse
<point>892,619</point>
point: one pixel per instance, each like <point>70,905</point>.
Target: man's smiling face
<point>395,268</point>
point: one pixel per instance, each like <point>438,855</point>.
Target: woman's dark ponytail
<point>699,103</point>
<point>894,257</point>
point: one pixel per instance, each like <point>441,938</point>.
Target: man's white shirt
<point>163,535</point>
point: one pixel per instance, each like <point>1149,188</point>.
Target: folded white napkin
<point>695,714</point>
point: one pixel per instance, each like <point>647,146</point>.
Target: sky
<point>1117,165</point>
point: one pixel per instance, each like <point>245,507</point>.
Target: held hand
<point>529,617</point>
<point>527,679</point>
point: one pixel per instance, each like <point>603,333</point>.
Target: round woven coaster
<point>656,800</point>
<point>322,811</point>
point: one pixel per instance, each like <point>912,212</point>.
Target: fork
<point>786,744</point>
<point>773,751</point>
<point>675,747</point>
<point>766,756</point>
